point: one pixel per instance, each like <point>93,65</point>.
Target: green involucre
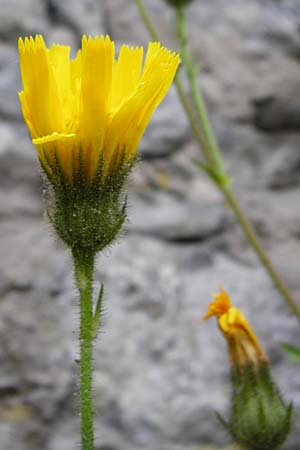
<point>87,216</point>
<point>259,418</point>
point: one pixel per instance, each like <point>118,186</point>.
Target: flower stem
<point>212,154</point>
<point>147,20</point>
<point>84,266</point>
<point>215,161</point>
<point>253,240</point>
<point>205,137</point>
<point>177,82</point>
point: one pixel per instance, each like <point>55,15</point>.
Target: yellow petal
<point>52,138</point>
<point>67,93</point>
<point>128,122</point>
<point>92,104</point>
<point>97,64</point>
<point>35,80</point>
<point>219,306</point>
<point>126,74</point>
<point>243,344</point>
<point>40,102</point>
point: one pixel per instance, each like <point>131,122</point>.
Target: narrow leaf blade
<point>97,313</point>
<point>292,352</point>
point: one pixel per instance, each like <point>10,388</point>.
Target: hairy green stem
<point>209,147</point>
<point>84,266</point>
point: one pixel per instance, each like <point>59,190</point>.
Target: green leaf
<point>292,352</point>
<point>97,313</point>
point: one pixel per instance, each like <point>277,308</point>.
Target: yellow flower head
<point>92,107</point>
<point>244,346</point>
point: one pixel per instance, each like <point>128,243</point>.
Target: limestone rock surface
<point>160,372</point>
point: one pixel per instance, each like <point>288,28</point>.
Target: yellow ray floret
<point>93,104</point>
<point>243,344</point>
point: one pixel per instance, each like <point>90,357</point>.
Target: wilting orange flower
<point>93,105</point>
<point>244,346</point>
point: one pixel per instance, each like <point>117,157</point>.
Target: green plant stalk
<point>213,157</point>
<point>252,238</point>
<point>147,20</point>
<point>209,147</point>
<point>177,82</point>
<point>84,266</point>
<point>217,165</point>
<point>191,117</point>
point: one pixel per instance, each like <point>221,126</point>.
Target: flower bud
<point>259,418</point>
<point>88,217</point>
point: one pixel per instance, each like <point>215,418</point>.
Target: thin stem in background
<point>209,147</point>
<point>177,82</point>
<point>213,155</point>
<point>252,238</point>
<point>84,266</point>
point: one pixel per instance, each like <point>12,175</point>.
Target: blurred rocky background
<point>160,373</point>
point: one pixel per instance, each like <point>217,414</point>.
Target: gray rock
<point>162,215</point>
<point>272,114</point>
<point>128,27</point>
<point>21,191</point>
<point>283,170</point>
<point>160,372</point>
<point>36,349</point>
<point>65,36</point>
<point>19,18</point>
<point>9,82</point>
<point>156,383</point>
<point>82,17</point>
<point>168,129</point>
